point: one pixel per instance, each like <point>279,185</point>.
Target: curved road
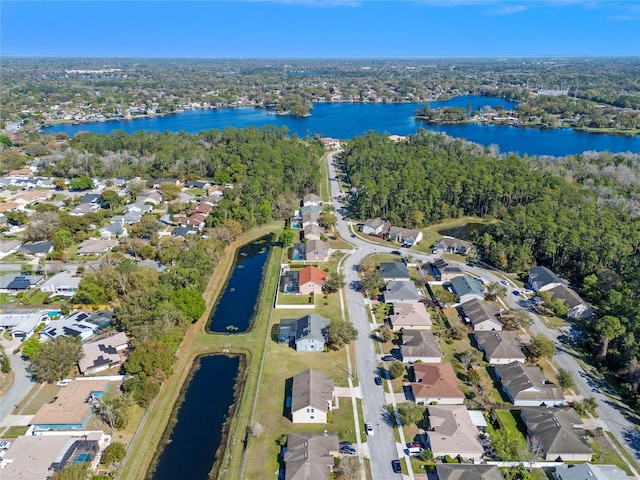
<point>382,447</point>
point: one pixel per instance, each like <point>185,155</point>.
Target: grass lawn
<point>511,420</point>
<point>604,454</point>
<point>15,431</point>
<point>37,298</point>
<point>43,395</point>
<point>295,299</point>
<point>6,299</point>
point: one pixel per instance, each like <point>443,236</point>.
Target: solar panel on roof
<point>82,316</point>
<point>19,283</point>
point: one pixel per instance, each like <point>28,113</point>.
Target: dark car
<point>378,380</point>
<point>388,358</point>
<point>345,444</point>
<point>349,450</point>
<point>395,466</point>
<point>396,252</point>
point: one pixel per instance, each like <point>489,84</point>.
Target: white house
<point>63,284</point>
<point>311,397</point>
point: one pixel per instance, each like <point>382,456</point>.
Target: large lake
<point>347,120</point>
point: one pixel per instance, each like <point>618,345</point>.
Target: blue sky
<point>320,28</point>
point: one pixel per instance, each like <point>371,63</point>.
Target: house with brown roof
<point>72,407</point>
<point>310,456</point>
<point>436,382</point>
<point>526,386</point>
<point>311,280</point>
<point>420,346</point>
<point>10,207</point>
<point>311,397</point>
<point>500,348</point>
<point>96,247</point>
<point>411,315</point>
<point>452,432</point>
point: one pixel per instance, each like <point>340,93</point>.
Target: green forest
<point>576,215</point>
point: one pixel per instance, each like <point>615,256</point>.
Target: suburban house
<point>467,289</point>
<point>63,284</point>
<point>375,226</point>
<point>203,208</point>
<point>452,432</point>
<point>12,282</point>
<point>7,247</point>
<point>453,245</point>
<point>197,184</point>
<point>310,218</point>
<point>311,199</point>
<point>316,251</point>
<point>138,207</point>
<point>183,231</point>
<point>436,382</point>
<point>394,271</point>
<point>541,279</point>
<point>560,433</point>
<point>196,220</point>
<point>578,308</point>
<point>500,348</point>
<point>96,246</point>
<point>311,397</point>
<point>405,236</point>
<point>10,207</point>
<point>311,280</point>
<point>317,209</point>
<point>412,315</point>
<point>401,291</point>
<point>84,208</point>
<point>75,326</point>
<point>310,456</point>
<point>103,354</point>
<point>527,387</point>
<point>420,346</point>
<point>481,315</point>
<point>37,249</point>
<point>36,457</point>
<point>152,197</point>
<point>159,181</point>
<point>73,406</point>
<point>330,143</point>
<point>22,322</point>
<point>306,333</point>
<point>443,272</point>
<point>452,471</point>
<point>113,230</point>
<point>312,232</point>
<point>589,471</point>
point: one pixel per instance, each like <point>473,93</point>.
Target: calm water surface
<point>238,303</point>
<point>347,120</point>
<point>468,231</point>
<point>197,433</point>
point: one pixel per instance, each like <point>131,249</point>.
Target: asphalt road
<point>21,386</point>
<point>382,446</point>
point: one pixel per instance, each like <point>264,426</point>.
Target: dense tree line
<point>553,212</point>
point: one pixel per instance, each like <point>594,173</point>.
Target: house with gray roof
<point>113,230</point>
<point>316,251</point>
<point>481,315</point>
<point>401,291</point>
<point>375,226</point>
<point>96,246</point>
<point>37,249</point>
<point>589,471</point>
<point>394,271</point>
<point>15,282</point>
<point>310,456</point>
<point>560,433</point>
<point>467,289</point>
<point>500,348</point>
<point>63,284</point>
<point>317,209</point>
<point>541,279</point>
<point>453,433</point>
<point>310,218</point>
<point>311,199</point>
<point>22,322</point>
<point>452,471</point>
<point>526,386</point>
<point>74,326</point>
<point>420,346</point>
<point>7,247</point>
<point>313,232</point>
<point>411,315</point>
<point>578,308</point>
<point>311,397</point>
<point>405,236</point>
<point>453,245</point>
<point>84,208</point>
<point>306,333</point>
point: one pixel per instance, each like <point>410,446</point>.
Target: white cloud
<point>506,9</point>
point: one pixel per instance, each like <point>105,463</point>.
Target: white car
<point>4,445</point>
<point>64,382</point>
<point>369,429</point>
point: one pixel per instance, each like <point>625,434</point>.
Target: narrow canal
<point>235,309</point>
<point>198,429</point>
<point>190,443</point>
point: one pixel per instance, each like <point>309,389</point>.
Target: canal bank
<point>198,342</point>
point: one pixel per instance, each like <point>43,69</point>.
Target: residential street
<point>18,390</point>
<point>382,446</point>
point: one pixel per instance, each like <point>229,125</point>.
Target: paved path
<point>21,386</point>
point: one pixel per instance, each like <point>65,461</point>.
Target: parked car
<point>64,382</point>
<point>378,380</point>
<point>368,427</point>
<point>396,252</point>
<point>516,293</point>
<point>504,282</point>
<point>4,445</point>
<point>388,358</point>
<point>345,444</point>
<point>348,450</point>
<point>395,466</point>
